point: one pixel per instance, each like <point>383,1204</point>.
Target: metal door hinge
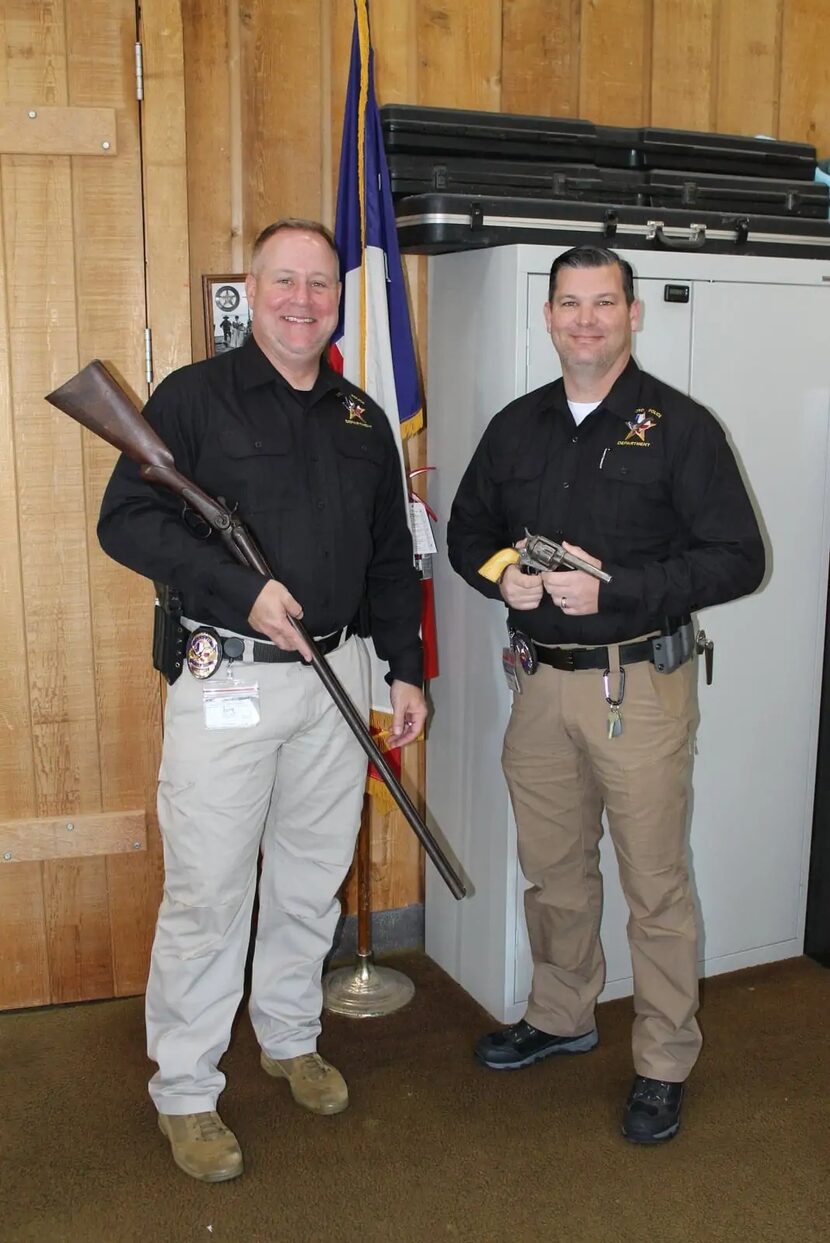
<point>139,71</point>
<point>148,354</point>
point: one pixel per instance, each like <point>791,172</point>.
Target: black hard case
<point>440,223</point>
<point>807,200</point>
<point>414,129</point>
<point>421,174</point>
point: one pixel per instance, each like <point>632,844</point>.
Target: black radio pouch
<point>169,636</point>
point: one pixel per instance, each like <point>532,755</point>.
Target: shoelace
<point>210,1127</point>
<point>656,1093</point>
<point>313,1066</point>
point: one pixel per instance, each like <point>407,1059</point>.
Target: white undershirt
<point>581,409</point>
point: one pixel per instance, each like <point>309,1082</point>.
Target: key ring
<point>613,703</point>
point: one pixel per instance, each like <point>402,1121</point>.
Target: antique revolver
<point>538,554</point>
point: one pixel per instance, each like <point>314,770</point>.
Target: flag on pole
<point>372,345</point>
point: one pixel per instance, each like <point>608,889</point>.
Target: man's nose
<point>585,313</point>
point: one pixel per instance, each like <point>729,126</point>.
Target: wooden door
<point>79,704</point>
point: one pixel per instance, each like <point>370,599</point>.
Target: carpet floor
<point>434,1147</point>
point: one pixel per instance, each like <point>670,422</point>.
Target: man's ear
<point>546,312</point>
<point>635,312</point>
<point>250,287</point>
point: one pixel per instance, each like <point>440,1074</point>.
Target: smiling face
<point>590,323</point>
<point>294,295</point>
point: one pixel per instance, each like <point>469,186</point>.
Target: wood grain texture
<point>282,84</point>
<point>615,61</point>
<point>541,57</point>
<point>24,962</point>
<point>58,131</point>
<point>85,834</point>
<point>805,74</point>
<point>165,185</point>
<point>212,87</point>
<point>78,929</point>
<point>748,38</point>
<point>683,65</point>
<point>459,50</point>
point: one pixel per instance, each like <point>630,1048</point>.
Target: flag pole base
<point>366,991</point>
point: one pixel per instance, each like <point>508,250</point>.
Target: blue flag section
<point>372,345</point>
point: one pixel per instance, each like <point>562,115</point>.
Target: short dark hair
<point>300,226</point>
<point>593,257</point>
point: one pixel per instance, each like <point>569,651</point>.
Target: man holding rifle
<point>642,483</point>
<point>256,755</point>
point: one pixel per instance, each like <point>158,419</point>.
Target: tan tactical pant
<point>291,787</point>
<point>561,769</point>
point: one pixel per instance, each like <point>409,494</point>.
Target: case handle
<point>695,241</point>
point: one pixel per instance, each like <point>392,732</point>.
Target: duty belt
<point>231,646</point>
<point>572,659</point>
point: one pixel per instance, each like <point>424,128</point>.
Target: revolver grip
<point>498,563</point>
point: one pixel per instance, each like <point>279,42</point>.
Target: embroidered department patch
<point>356,411</point>
<point>643,422</point>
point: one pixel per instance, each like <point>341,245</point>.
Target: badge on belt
<point>203,654</point>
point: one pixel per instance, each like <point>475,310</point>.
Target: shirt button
<point>314,458</point>
<point>321,504</point>
<point>257,444</point>
<point>574,440</point>
<point>566,484</point>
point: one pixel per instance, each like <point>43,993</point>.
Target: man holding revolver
<point>636,479</point>
<point>258,757</point>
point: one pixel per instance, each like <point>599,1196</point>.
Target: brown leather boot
<point>202,1146</point>
<point>313,1082</point>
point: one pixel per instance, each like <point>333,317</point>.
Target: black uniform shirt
<point>316,477</point>
<point>647,483</point>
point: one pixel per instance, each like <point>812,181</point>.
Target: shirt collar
<point>255,370</point>
<point>622,399</point>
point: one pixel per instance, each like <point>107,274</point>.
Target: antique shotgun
<point>95,399</point>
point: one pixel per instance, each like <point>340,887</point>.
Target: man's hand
<point>573,591</point>
<point>409,712</point>
<point>270,616</point>
<point>521,591</point>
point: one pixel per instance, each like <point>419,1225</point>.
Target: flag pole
<point>365,990</point>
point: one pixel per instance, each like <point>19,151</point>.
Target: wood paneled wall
<point>80,716</point>
<point>265,85</point>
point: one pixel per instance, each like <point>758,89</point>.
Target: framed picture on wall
<point>227,315</point>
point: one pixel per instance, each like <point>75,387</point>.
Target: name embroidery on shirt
<point>644,421</point>
<point>355,412</point>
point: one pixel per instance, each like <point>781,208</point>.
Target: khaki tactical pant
<point>561,769</point>
<point>291,786</point>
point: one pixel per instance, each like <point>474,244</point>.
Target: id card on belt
<point>231,705</point>
<point>508,664</point>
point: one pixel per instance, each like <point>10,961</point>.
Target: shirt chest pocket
<point>361,463</point>
<point>260,468</point>
<point>635,497</point>
<point>519,485</point>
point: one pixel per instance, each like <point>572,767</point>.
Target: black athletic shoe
<point>522,1045</point>
<point>652,1111</point>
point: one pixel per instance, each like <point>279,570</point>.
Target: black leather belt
<point>574,658</point>
<point>269,654</point>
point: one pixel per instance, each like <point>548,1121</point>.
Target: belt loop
<point>614,667</point>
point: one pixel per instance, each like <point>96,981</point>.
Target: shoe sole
<point>662,1138</point>
<point>582,1044</point>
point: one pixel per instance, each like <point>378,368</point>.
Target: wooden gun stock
<point>95,399</point>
